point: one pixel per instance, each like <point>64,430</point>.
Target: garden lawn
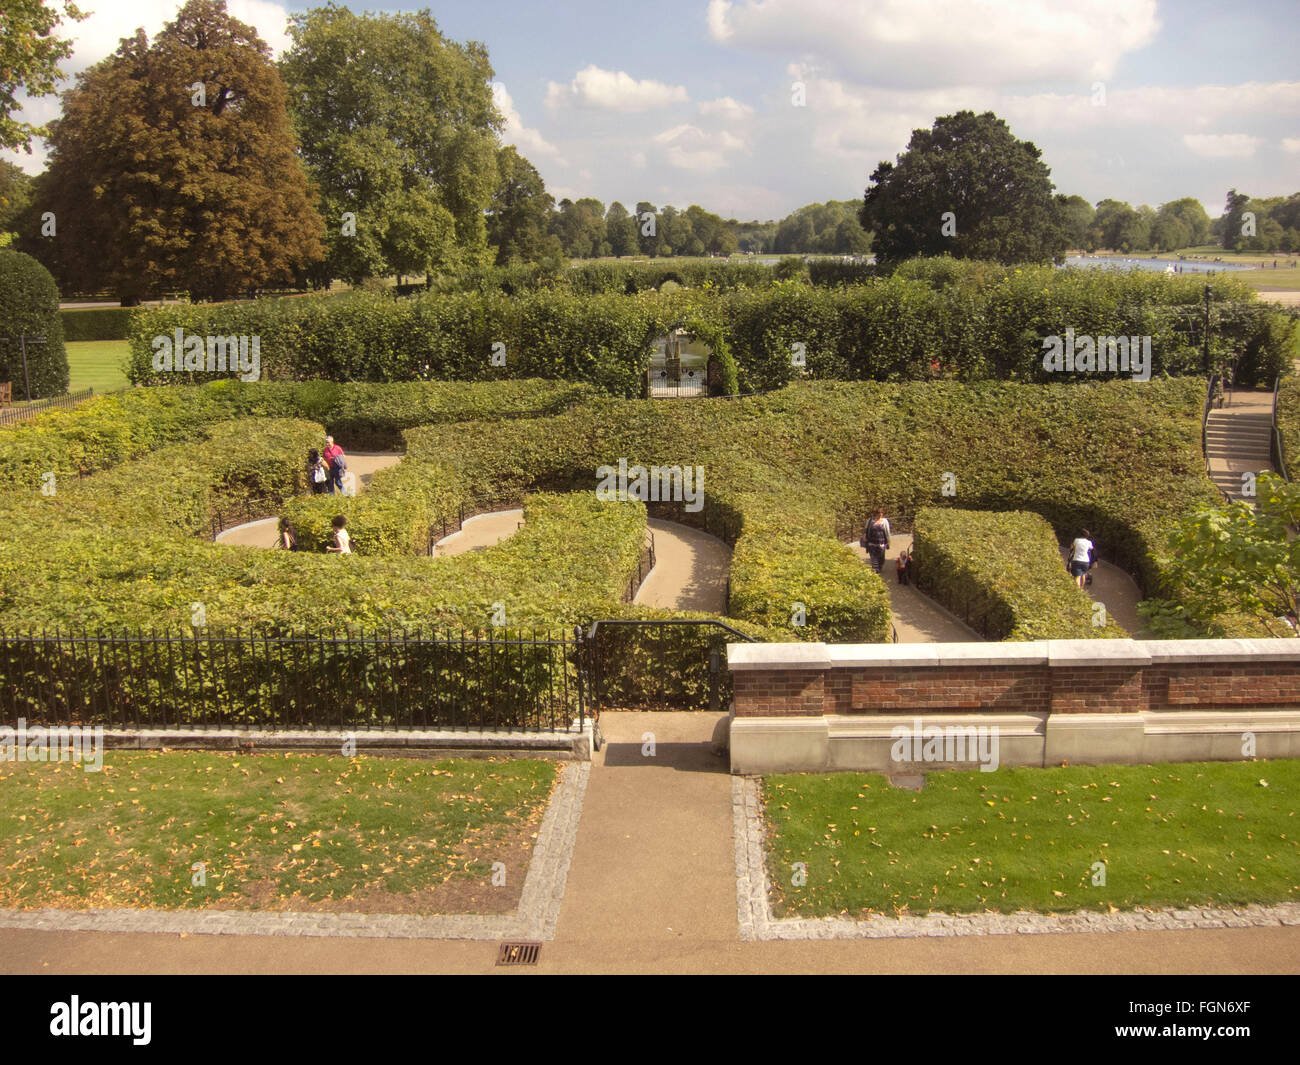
<point>1222,833</point>
<point>276,831</point>
<point>97,364</point>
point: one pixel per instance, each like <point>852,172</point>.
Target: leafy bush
<point>1003,573</point>
<point>115,428</point>
<point>29,306</point>
<point>970,322</point>
<point>97,323</point>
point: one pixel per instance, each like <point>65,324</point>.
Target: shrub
<point>29,306</point>
<point>1003,573</point>
<point>97,323</point>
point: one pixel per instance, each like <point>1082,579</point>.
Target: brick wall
<point>1065,677</point>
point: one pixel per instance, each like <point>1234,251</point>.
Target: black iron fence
<point>477,679</point>
<point>243,512</point>
<point>643,567</point>
<point>13,415</point>
<point>1276,448</point>
<point>673,664</point>
<point>454,523</point>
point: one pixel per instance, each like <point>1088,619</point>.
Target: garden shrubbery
<point>29,306</point>
<point>97,323</point>
<point>126,425</point>
<point>937,318</point>
<point>1002,572</point>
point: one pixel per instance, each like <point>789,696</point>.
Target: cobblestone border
<point>534,919</point>
<point>754,910</point>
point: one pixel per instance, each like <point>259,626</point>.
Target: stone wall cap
<point>847,655</point>
<point>1069,654</point>
<point>1281,649</point>
<point>777,656</point>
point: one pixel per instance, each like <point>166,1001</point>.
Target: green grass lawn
<point>275,831</point>
<point>1170,835</point>
<point>96,364</point>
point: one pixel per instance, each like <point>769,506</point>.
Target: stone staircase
<point>1237,440</point>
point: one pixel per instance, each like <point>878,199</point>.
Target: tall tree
<point>581,228</point>
<point>29,61</point>
<point>647,228</point>
<point>620,230</point>
<point>173,167</point>
<point>520,213</point>
<point>15,195</point>
<point>1076,219</point>
<point>1233,209</point>
<point>967,188</point>
<point>399,128</point>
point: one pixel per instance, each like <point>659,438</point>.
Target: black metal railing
<point>13,415</point>
<point>670,664</point>
<point>490,679</point>
<point>689,384</point>
<point>243,512</point>
<point>645,563</point>
<point>450,524</point>
<point>1276,446</point>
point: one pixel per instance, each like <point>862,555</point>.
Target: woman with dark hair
<point>875,538</point>
<point>288,538</point>
<point>317,473</point>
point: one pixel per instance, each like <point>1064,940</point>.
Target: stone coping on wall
<point>1053,653</point>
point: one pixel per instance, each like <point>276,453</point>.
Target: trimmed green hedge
<point>1002,572</point>
<point>970,322</point>
<point>29,306</point>
<point>114,428</point>
<point>97,323</point>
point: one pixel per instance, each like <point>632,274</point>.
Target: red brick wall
<point>1040,688</point>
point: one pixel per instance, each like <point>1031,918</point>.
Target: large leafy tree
<point>830,228</point>
<point>966,188</point>
<point>399,128</point>
<point>520,213</point>
<point>15,194</point>
<point>1239,559</point>
<point>29,60</point>
<point>621,230</point>
<point>581,228</point>
<point>173,167</point>
<point>1117,226</point>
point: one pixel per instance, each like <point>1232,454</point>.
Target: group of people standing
<point>327,469</point>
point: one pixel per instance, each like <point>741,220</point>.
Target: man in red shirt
<point>333,456</point>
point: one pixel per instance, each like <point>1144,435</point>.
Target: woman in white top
<point>342,542</point>
<point>1081,557</point>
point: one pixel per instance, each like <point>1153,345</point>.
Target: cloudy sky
<point>752,108</point>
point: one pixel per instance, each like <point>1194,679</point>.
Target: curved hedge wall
<point>1002,572</point>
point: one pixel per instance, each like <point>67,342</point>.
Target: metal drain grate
<point>519,953</point>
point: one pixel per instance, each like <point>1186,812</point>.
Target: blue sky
<point>694,101</point>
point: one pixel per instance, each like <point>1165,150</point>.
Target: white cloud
<point>1222,145</point>
<point>691,148</point>
<point>613,91</point>
<point>1291,144</point>
<point>727,108</point>
<point>942,42</point>
<point>529,141</point>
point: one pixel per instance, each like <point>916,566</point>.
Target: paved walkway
<point>691,570</point>
<point>480,531</point>
<point>917,618</point>
<point>1237,440</point>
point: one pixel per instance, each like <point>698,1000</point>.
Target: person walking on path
<point>342,542</point>
<point>876,539</point>
<point>1082,557</point>
<point>336,462</point>
<point>318,475</point>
